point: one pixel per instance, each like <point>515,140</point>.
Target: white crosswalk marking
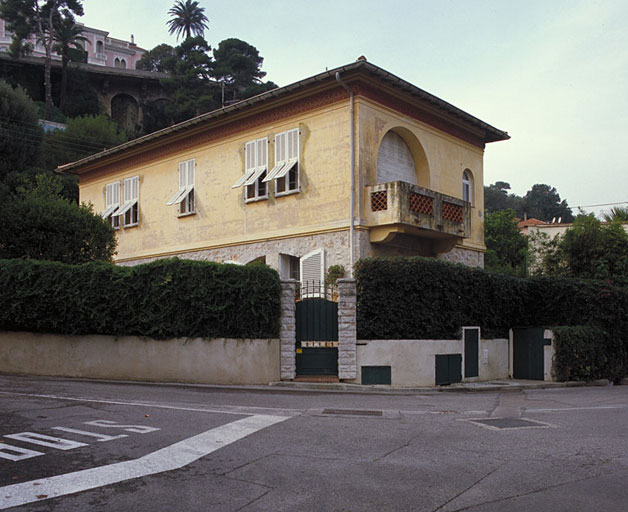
<point>42,440</point>
<point>169,458</point>
<point>15,453</point>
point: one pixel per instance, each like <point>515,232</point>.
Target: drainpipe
<point>350,91</point>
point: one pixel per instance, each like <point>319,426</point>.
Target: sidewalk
<point>469,387</point>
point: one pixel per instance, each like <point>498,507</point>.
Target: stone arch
<point>401,157</point>
<point>125,111</point>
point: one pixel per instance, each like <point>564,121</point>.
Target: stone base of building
<point>336,251</point>
<point>467,257</point>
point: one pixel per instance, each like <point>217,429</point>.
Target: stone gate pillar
<point>288,330</point>
<point>347,329</point>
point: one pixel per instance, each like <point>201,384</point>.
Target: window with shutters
<point>130,209</point>
<point>184,197</point>
<point>467,190</point>
<point>255,170</point>
<point>312,271</point>
<point>395,161</point>
<point>112,203</point>
<point>285,174</point>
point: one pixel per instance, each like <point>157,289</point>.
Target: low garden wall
<point>196,360</point>
<point>413,362</point>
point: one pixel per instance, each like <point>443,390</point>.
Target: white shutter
<point>127,190</point>
<point>395,161</point>
<point>313,267</point>
<point>250,155</point>
<point>293,144</point>
<point>108,195</point>
<point>115,187</point>
<point>262,151</point>
<point>136,187</point>
<point>191,173</point>
<point>280,147</point>
<point>112,199</point>
<point>182,175</point>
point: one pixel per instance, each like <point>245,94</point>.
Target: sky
<point>552,73</point>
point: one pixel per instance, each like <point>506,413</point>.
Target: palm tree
<point>68,38</point>
<point>187,18</point>
<point>616,213</point>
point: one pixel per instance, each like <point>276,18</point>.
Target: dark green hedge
<point>422,298</point>
<point>163,299</point>
<point>587,353</point>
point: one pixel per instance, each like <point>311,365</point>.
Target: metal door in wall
<point>528,353</point>
<point>317,336</point>
<point>471,352</point>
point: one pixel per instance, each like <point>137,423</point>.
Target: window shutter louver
<point>395,161</point>
<point>182,174</point>
<point>312,267</point>
<point>191,173</point>
<point>293,144</point>
<point>136,188</point>
<point>262,148</point>
<point>250,155</point>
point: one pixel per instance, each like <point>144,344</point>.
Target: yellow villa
<point>350,163</point>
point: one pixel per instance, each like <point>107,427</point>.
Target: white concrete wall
<point>413,362</point>
<point>217,361</point>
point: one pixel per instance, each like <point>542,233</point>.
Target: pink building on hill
<point>102,50</point>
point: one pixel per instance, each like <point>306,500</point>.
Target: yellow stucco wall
<point>224,219</point>
<point>222,216</point>
<point>446,158</point>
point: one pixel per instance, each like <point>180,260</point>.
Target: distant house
<point>350,163</point>
<point>101,49</point>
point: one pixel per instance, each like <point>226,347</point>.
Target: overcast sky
<point>552,73</point>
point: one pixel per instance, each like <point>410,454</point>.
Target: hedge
<point>163,299</point>
<point>422,298</point>
<point>587,353</point>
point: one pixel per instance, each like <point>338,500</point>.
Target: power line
<point>602,204</point>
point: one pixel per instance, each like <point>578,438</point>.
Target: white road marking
<point>100,437</point>
<point>560,409</point>
<point>138,429</point>
<point>169,458</point>
<point>42,440</point>
<point>226,409</point>
<point>15,453</point>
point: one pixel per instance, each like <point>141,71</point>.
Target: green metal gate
<point>528,353</point>
<point>317,336</point>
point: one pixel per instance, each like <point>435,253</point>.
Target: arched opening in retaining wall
<point>125,111</point>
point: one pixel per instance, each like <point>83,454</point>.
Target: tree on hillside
<point>20,133</point>
<point>83,136</point>
<point>187,18</point>
<point>153,60</point>
<point>189,85</point>
<point>39,18</point>
<point>498,198</point>
<point>68,43</point>
<point>41,224</point>
<point>505,245</point>
<point>238,65</point>
<point>543,202</point>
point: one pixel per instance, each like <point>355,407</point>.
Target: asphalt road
<point>68,445</point>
